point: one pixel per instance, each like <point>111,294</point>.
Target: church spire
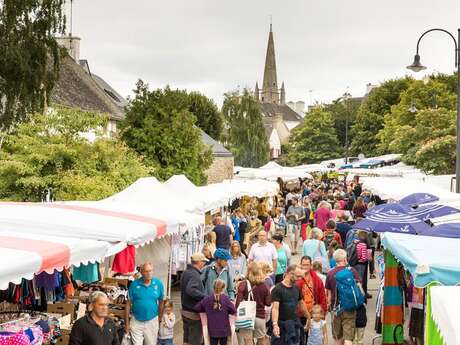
<point>270,92</point>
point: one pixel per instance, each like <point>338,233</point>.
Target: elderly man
<point>263,251</point>
<point>96,328</point>
<point>146,306</point>
<point>343,322</point>
<point>192,292</point>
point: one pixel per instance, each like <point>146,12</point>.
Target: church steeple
<point>283,94</point>
<point>270,92</point>
<point>257,92</point>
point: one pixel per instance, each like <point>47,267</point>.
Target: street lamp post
<point>346,96</point>
<point>416,66</point>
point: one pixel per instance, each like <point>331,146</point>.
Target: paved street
<point>369,335</point>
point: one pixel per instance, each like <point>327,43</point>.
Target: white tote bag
<point>246,312</point>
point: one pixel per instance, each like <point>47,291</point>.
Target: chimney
<point>71,44</point>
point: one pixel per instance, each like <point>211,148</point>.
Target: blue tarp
<point>428,259</point>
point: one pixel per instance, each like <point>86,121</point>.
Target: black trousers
<point>218,341</point>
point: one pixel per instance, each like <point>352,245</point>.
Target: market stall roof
<point>428,259</point>
<point>25,254</point>
<point>397,188</point>
<point>272,173</point>
<point>86,221</point>
<point>445,311</point>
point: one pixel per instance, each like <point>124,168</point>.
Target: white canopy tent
<point>396,188</point>
<point>445,311</point>
<point>24,254</point>
<point>272,172</point>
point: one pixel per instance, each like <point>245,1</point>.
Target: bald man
<point>263,251</point>
<point>145,306</point>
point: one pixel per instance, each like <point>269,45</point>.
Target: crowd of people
<point>291,300</point>
<point>244,284</point>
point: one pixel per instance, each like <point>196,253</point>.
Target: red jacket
<point>319,293</point>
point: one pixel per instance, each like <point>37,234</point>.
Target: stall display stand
<point>392,324</point>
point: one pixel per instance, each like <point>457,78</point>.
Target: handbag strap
<point>250,295</point>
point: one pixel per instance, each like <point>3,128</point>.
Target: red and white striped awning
<point>81,222</point>
<point>23,255</point>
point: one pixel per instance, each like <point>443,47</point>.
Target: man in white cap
<point>192,292</point>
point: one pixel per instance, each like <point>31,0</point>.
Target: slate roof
<point>271,109</point>
<point>76,88</point>
<point>218,150</point>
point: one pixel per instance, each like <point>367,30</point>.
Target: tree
<point>29,58</point>
<point>344,112</point>
<point>50,153</point>
<point>208,116</point>
<point>245,136</point>
<point>160,127</point>
<point>401,132</point>
<point>370,116</point>
<point>315,139</point>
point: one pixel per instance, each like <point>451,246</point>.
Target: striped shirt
<point>361,251</point>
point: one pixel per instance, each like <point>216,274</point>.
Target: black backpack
<point>352,254</point>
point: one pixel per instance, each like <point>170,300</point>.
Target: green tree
<point>29,58</point>
<point>402,131</point>
<point>344,112</point>
<point>160,127</point>
<point>370,116</point>
<point>245,136</point>
<point>315,139</point>
<point>208,116</point>
<point>49,152</point>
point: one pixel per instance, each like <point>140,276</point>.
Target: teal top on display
<point>428,259</point>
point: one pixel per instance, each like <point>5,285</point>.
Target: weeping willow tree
<point>29,56</point>
<point>245,135</point>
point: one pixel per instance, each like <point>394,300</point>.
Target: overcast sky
<point>218,45</point>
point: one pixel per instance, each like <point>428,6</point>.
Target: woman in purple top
<point>217,307</point>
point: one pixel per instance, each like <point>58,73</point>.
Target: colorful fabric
<point>125,261</point>
<point>7,338</point>
<point>432,335</point>
<point>392,316</point>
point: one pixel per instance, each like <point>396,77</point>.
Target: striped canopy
<point>418,199</point>
<point>432,211</point>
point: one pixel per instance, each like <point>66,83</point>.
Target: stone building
<point>79,87</point>
<point>279,119</point>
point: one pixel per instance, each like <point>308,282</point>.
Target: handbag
<point>246,312</point>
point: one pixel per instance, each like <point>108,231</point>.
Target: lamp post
<point>346,96</point>
<point>416,66</point>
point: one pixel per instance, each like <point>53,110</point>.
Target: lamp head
<point>416,65</point>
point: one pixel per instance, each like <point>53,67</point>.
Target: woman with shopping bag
<point>253,295</point>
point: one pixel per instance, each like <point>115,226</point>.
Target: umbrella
<point>388,207</point>
<point>418,199</point>
<point>450,230</point>
<point>432,211</point>
<point>392,221</point>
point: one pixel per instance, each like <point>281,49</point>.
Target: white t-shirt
<point>263,253</point>
<point>317,324</point>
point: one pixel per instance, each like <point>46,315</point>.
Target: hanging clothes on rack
<point>125,261</point>
<point>86,273</point>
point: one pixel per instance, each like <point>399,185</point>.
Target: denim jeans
<point>165,341</point>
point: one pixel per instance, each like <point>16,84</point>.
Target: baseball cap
<point>198,256</point>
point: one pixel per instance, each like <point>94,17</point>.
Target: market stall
<point>445,314</point>
<point>414,264</point>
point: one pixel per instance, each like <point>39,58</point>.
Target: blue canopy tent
<point>449,230</point>
<point>395,207</point>
<point>391,221</point>
<point>428,259</point>
<point>418,199</point>
<point>432,211</point>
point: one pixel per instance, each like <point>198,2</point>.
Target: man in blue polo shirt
<point>146,307</point>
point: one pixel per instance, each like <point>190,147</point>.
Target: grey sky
<point>217,45</point>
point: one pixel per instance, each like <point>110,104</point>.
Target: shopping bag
<point>126,340</point>
<point>246,312</point>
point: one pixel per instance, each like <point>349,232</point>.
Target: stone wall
<point>220,169</point>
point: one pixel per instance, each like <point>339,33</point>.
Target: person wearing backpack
<point>344,295</point>
<point>330,234</point>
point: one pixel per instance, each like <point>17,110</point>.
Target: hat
<point>222,254</point>
<point>197,257</point>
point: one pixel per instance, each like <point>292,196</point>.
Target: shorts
<point>343,325</point>
<point>293,232</point>
<point>193,333</point>
<point>260,330</point>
